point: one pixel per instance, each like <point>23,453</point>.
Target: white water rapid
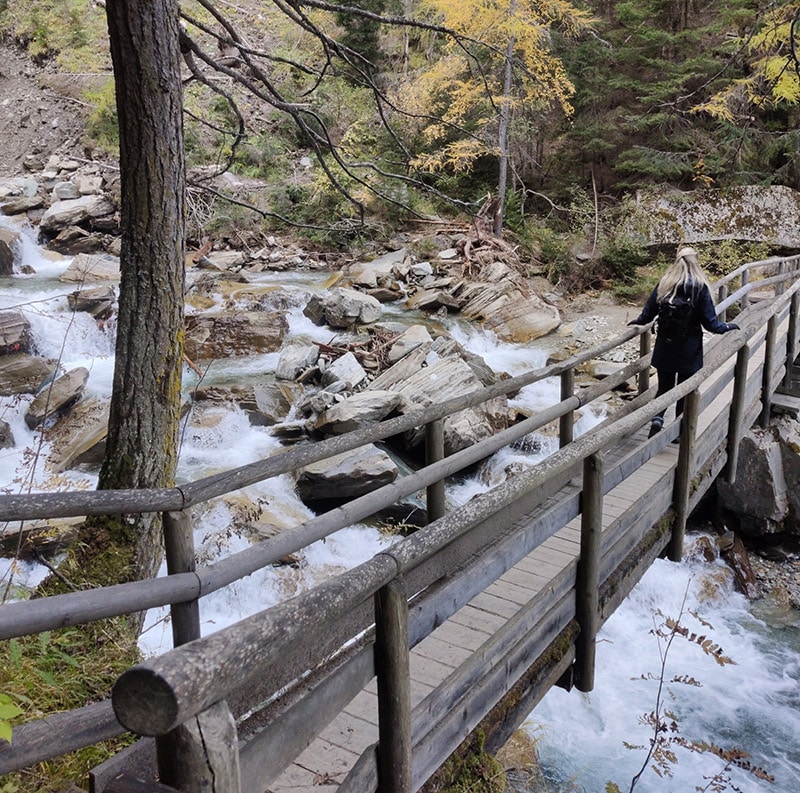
<point>752,705</point>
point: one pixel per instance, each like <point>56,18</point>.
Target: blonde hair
<point>684,271</point>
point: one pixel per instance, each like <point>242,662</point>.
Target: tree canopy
<point>402,102</point>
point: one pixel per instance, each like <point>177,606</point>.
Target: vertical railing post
<point>180,558</point>
<point>644,349</point>
<point>766,375</point>
<point>780,287</point>
<point>722,295</point>
<point>746,295</point>
<point>566,424</point>
<point>736,418</point>
<point>202,754</point>
<point>434,451</point>
<point>683,474</point>
<point>588,574</point>
<point>394,689</point>
<point>791,340</point>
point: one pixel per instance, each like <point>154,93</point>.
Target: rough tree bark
<point>141,449</point>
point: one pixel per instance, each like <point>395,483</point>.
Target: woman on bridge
<point>683,305</point>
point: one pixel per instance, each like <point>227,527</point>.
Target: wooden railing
<point>362,623</point>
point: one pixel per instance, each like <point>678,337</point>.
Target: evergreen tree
<point>643,94</point>
<point>362,34</point>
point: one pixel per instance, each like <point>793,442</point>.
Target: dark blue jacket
<point>685,355</point>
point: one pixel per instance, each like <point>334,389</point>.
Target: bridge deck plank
<point>461,636</point>
<point>434,648</point>
<point>492,603</point>
<point>352,733</point>
<point>428,671</point>
<point>471,617</point>
<point>325,760</point>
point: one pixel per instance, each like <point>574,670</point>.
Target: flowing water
<point>753,704</point>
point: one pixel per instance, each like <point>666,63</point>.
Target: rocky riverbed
<point>46,162</point>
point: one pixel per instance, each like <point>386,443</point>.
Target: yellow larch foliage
<point>464,87</point>
<point>775,72</point>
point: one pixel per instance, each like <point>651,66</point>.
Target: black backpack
<point>674,317</point>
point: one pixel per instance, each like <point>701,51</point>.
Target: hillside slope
<point>37,115</point>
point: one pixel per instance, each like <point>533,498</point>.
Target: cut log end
<point>144,702</point>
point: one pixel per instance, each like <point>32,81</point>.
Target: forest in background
<point>584,103</point>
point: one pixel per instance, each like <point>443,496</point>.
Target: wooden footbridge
<point>372,679</point>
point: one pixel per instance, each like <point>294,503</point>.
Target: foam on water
<point>512,359</point>
<point>267,587</point>
<point>753,705</point>
<point>214,438</point>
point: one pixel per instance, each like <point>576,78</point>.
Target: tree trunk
<point>141,448</point>
<point>502,142</point>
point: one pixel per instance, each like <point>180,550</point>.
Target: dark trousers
<point>668,380</point>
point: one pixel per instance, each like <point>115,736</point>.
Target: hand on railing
<point>729,326</point>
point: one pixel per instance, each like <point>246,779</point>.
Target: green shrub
<point>623,255</point>
<point>722,257</point>
<point>102,126</point>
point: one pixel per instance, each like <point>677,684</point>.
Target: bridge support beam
<point>791,340</point>
<point>201,754</point>
<point>683,474</point>
<point>736,421</point>
<point>566,424</point>
<point>644,348</point>
<point>766,377</point>
<point>587,594</point>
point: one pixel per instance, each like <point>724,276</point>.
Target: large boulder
<point>380,272</point>
<point>522,320</point>
<point>265,403</point>
<point>80,437</point>
<point>356,411</point>
<point>95,300</point>
<point>62,393</point>
<point>221,335</point>
<point>345,370</point>
<point>297,355</point>
<point>89,267</point>
<point>753,213</point>
<point>399,372</point>
<point>502,302</point>
<point>343,308</point>
<point>273,402</point>
<point>6,435</point>
<point>19,205</point>
<point>74,212</point>
<point>438,381</point>
<point>16,187</point>
<point>761,497</point>
<point>346,476</point>
<point>407,341</point>
<point>9,246</point>
<point>21,373</point>
<point>15,332</point>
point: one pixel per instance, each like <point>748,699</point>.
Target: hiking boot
<point>655,426</point>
